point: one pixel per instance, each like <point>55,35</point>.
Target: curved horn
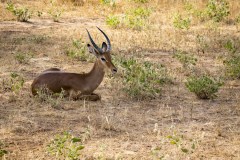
<point>108,41</point>
<point>93,43</point>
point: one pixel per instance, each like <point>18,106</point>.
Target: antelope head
<point>103,53</point>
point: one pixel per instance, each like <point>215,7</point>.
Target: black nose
<point>114,70</point>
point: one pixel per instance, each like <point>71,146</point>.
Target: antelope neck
<point>95,76</point>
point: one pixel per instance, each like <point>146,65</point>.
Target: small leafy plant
<point>113,21</point>
<point>65,146</point>
<point>23,58</point>
<point>137,18</point>
<point>217,10</point>
<point>39,13</point>
<point>141,1</point>
<point>204,87</point>
<point>237,20</point>
<point>109,2</point>
<point>2,150</point>
<point>22,14</point>
<point>232,65</point>
<point>140,12</point>
<point>184,145</point>
<point>202,43</point>
<point>17,82</point>
<point>14,83</point>
<point>78,51</point>
<point>231,46</point>
<point>180,22</point>
<point>141,79</point>
<point>134,19</point>
<point>55,12</point>
<point>54,99</point>
<point>185,58</point>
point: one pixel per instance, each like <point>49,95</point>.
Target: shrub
<point>22,14</point>
<point>113,21</point>
<point>54,99</point>
<point>141,1</point>
<point>202,43</point>
<point>140,12</point>
<point>75,2</point>
<point>185,58</point>
<point>2,151</point>
<point>39,13</point>
<point>65,146</point>
<point>217,10</point>
<point>133,22</point>
<point>204,87</point>
<point>238,19</point>
<point>184,145</point>
<point>109,2</point>
<point>233,67</point>
<point>134,19</point>
<point>231,46</point>
<point>78,51</point>
<point>14,83</point>
<point>137,18</point>
<point>141,79</point>
<point>23,57</point>
<point>17,82</point>
<point>55,12</point>
<point>180,22</point>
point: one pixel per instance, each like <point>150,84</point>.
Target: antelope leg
<point>88,97</point>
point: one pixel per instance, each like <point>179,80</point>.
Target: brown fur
<point>84,84</point>
<point>56,80</point>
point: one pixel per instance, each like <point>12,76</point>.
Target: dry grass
<point>118,127</point>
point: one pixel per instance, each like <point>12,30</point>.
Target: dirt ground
<point>116,127</point>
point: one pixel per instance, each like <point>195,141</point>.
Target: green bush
<point>2,151</point>
<point>113,21</point>
<point>55,12</point>
<point>134,19</point>
<point>180,22</point>
<point>65,146</point>
<point>231,46</point>
<point>140,12</point>
<point>23,58</point>
<point>137,18</point>
<point>134,23</point>
<point>14,83</point>
<point>217,10</point>
<point>78,51</point>
<point>17,82</point>
<point>22,14</point>
<point>109,2</point>
<point>237,20</point>
<point>141,80</point>
<point>48,97</point>
<point>185,58</point>
<point>55,15</point>
<point>233,67</point>
<point>204,87</point>
<point>141,1</point>
<point>202,43</point>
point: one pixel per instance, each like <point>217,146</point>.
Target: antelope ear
<point>92,50</point>
<point>104,47</point>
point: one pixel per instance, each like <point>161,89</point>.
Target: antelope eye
<point>103,59</point>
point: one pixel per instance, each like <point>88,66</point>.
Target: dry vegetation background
<point>172,125</point>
